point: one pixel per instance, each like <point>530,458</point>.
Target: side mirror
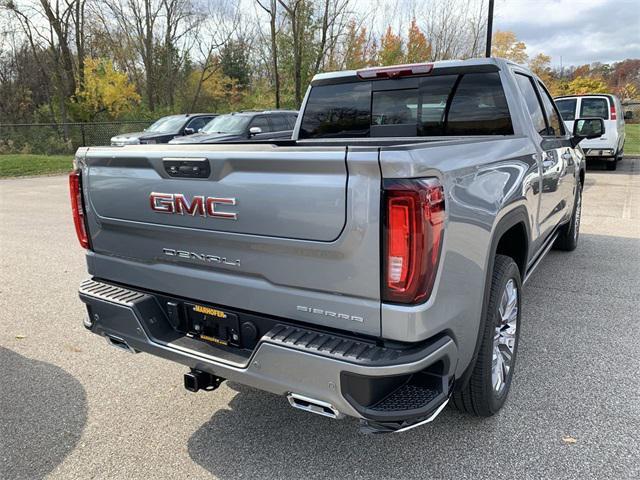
<point>587,128</point>
<point>628,115</point>
<point>255,130</point>
<point>189,131</point>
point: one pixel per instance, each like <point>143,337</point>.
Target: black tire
<point>570,233</point>
<point>479,397</point>
<point>612,164</point>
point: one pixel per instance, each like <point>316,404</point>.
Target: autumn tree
<point>627,91</point>
<point>106,90</point>
<point>391,48</point>
<point>541,66</point>
<point>418,47</point>
<point>582,85</point>
<point>354,46</point>
<point>625,78</point>
<point>506,45</point>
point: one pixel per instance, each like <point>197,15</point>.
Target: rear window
<point>594,107</point>
<point>567,108</point>
<point>335,111</point>
<point>441,105</point>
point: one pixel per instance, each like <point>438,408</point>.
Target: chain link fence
<point>61,138</point>
<point>634,108</point>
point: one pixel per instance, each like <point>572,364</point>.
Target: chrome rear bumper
<point>287,360</point>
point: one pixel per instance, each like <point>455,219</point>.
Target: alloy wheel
<point>504,340</point>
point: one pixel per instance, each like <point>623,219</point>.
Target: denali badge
<point>328,313</point>
<point>170,252</point>
<point>200,205</point>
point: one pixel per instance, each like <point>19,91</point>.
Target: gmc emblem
<point>199,205</point>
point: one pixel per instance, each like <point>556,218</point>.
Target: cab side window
<point>197,123</point>
<point>556,127</point>
<point>292,121</point>
<point>261,122</point>
<point>279,123</point>
<point>533,103</point>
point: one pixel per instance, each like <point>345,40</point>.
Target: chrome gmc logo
<point>199,205</point>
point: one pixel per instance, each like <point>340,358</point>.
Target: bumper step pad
<point>111,293</point>
<point>407,397</point>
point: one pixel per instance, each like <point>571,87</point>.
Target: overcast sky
<point>579,31</point>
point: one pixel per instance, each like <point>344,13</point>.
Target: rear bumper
<point>389,388</point>
<point>603,152</point>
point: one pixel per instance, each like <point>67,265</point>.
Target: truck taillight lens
<point>612,112</point>
<point>77,207</point>
<point>412,237</point>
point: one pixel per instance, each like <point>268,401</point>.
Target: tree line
<point>620,78</point>
<point>91,60</point>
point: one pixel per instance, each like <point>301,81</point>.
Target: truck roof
<point>493,63</point>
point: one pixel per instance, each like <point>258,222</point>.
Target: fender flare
<point>510,219</point>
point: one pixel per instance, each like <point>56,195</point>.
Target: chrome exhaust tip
<point>119,343</point>
<point>313,406</point>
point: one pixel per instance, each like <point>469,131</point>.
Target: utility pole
<point>489,30</point>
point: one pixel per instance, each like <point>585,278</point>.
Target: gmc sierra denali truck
<point>372,266</point>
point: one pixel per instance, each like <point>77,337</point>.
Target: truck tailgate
<point>285,231</point>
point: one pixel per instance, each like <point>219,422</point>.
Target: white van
<point>608,147</point>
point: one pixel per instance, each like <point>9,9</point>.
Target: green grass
<point>20,165</point>
<point>632,139</point>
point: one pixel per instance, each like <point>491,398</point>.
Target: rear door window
<point>594,107</point>
<point>525,84</point>
<point>479,107</point>
<point>199,122</point>
<point>279,123</point>
<point>262,122</point>
<point>567,108</point>
<point>556,127</point>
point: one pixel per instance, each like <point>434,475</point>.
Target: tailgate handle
<point>192,168</point>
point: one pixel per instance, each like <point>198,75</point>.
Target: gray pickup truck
<point>370,267</point>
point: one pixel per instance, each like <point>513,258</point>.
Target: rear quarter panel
<point>484,180</point>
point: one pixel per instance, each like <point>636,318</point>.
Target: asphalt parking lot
<point>73,407</point>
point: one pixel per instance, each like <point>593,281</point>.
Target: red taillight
<point>395,71</point>
<point>612,112</point>
<point>413,232</point>
<point>77,207</point>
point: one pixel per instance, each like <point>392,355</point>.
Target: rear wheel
<point>492,373</point>
<point>620,154</point>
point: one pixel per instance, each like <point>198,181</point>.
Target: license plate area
<point>212,325</point>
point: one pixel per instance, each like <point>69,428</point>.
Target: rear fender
<point>514,217</point>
